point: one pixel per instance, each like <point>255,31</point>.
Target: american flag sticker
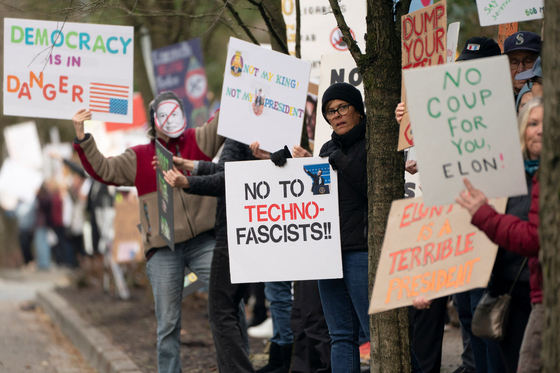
<point>108,98</point>
<point>473,47</point>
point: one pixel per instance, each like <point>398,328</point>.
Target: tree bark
<point>380,68</point>
<point>549,176</point>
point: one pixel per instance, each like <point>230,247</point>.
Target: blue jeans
<point>345,304</point>
<point>42,248</point>
<point>279,294</point>
<point>165,271</point>
<point>486,353</point>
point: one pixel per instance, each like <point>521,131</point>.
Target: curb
<point>94,346</point>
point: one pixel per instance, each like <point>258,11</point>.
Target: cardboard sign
<point>53,69</point>
<point>432,252</point>
<point>165,195</point>
<point>24,147</point>
<point>505,30</point>
<point>127,244</point>
<point>465,126</point>
<point>424,42</point>
<point>319,30</point>
<point>179,68</point>
<point>263,96</point>
<point>495,12</point>
<point>283,221</point>
<point>452,40</point>
<point>335,68</point>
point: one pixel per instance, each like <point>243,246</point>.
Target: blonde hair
<point>523,121</point>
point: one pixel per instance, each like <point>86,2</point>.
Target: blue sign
<point>179,68</point>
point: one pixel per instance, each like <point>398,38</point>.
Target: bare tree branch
<point>346,35</point>
<point>298,30</point>
<point>266,17</point>
<point>240,22</point>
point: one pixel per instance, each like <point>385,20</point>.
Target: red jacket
<point>516,235</point>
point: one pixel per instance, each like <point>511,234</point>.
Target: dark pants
<point>312,343</point>
<point>427,334</point>
<point>63,252</point>
<point>487,356</point>
<point>25,240</point>
<point>227,321</point>
<point>519,311</point>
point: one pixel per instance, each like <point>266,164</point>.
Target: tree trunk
<point>550,190</point>
<point>381,71</point>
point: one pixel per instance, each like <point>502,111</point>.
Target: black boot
<point>286,359</point>
<point>275,359</point>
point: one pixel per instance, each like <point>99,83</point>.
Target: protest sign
<point>432,252</point>
<point>263,96</point>
<point>53,69</point>
<point>412,186</point>
<point>495,12</point>
<point>283,221</point>
<point>505,30</point>
<point>419,4</point>
<point>423,36</point>
<point>127,244</point>
<point>452,40</point>
<point>140,120</point>
<point>319,30</point>
<point>179,68</point>
<point>465,126</point>
<point>18,182</point>
<point>165,195</point>
<point>335,68</point>
<point>22,141</point>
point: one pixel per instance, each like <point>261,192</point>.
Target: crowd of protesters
<point>318,326</point>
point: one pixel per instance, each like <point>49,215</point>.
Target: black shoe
<point>275,360</point>
<point>286,359</point>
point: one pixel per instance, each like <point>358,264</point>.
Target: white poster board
<point>18,182</point>
<point>320,34</point>
<point>452,40</point>
<point>263,96</point>
<point>53,69</point>
<point>464,125</point>
<point>335,68</point>
<point>495,12</point>
<point>24,147</point>
<point>282,223</point>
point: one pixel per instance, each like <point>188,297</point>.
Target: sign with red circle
<point>337,42</point>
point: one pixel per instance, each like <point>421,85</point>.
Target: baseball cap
<point>479,47</point>
<point>523,40</point>
<point>536,70</point>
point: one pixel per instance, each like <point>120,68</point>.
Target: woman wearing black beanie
<point>345,300</point>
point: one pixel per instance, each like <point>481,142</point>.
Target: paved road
<point>29,341</point>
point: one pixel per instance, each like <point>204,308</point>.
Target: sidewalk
<point>17,286</point>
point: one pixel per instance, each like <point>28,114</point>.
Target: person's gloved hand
<point>279,157</point>
<point>338,159</point>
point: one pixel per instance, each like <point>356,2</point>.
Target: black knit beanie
<point>345,92</point>
<point>164,96</point>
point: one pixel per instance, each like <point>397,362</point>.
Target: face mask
<point>169,118</point>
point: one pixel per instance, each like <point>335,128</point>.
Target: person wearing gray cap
<point>533,87</point>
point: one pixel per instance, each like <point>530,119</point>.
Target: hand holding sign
<point>472,199</point>
<point>176,179</point>
<point>78,121</point>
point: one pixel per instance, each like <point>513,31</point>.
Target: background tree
<point>380,67</point>
<point>549,176</point>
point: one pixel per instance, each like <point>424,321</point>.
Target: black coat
<point>210,181</point>
<point>347,153</point>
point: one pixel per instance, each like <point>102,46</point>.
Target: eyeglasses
<point>342,110</point>
<point>527,62</point>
